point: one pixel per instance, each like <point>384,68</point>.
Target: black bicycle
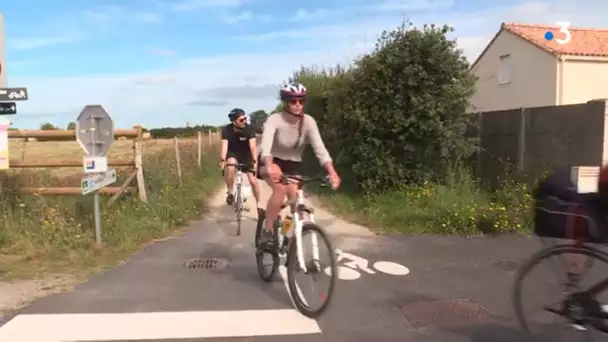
<point>301,222</point>
<point>577,305</point>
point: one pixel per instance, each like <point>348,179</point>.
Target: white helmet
<point>292,91</point>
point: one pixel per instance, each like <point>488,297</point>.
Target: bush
<point>46,233</point>
<point>404,104</point>
<point>395,124</point>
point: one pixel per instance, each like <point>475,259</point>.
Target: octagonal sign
<point>94,130</point>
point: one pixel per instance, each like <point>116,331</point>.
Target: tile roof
<point>585,41</point>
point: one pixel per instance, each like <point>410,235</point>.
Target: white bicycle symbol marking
<point>351,269</point>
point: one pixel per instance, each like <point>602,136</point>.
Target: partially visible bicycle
<point>301,222</point>
<point>578,306</point>
<point>239,197</point>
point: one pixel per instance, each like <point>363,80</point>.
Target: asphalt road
<point>457,289</point>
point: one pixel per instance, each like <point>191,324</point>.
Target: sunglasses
<point>241,120</point>
<point>296,102</point>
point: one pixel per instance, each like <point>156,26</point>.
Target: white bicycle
<point>281,244</point>
<point>240,193</point>
<point>353,266</point>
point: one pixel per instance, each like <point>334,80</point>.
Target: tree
<point>71,125</point>
<point>47,126</point>
<point>398,116</point>
<point>257,119</point>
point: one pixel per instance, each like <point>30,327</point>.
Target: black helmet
<point>235,113</point>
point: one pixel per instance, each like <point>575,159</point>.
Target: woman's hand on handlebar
<point>334,180</point>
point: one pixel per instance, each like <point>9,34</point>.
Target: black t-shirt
<point>238,139</point>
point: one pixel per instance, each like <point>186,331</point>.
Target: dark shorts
<point>288,167</point>
<point>243,159</point>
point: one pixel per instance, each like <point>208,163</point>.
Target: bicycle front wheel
<point>569,267</point>
<point>315,269</point>
<point>266,254</point>
<point>238,207</point>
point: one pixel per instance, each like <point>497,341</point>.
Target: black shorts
<point>243,159</point>
<point>288,167</point>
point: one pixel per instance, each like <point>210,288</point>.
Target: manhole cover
<point>206,264</point>
<point>441,314</point>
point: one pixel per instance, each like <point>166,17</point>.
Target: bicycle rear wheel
<point>266,250</point>
<point>574,261</point>
<point>314,268</point>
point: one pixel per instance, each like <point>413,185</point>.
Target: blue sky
<point>172,62</point>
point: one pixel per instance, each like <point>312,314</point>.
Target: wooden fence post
<point>177,160</point>
<point>199,144</point>
<point>139,168</point>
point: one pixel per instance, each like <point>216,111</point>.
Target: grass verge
<point>45,235</point>
<point>459,207</point>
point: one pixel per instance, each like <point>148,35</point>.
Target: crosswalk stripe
<point>156,325</point>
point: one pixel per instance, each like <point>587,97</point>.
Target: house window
<point>504,69</point>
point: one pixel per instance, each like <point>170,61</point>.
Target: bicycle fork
<point>299,246</point>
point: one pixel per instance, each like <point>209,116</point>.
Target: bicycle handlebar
<point>285,179</point>
<point>240,165</point>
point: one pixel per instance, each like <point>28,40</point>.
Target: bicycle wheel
<point>315,269</point>
<point>572,322</point>
<point>266,270</point>
<point>239,210</point>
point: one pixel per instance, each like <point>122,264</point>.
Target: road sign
<point>8,108</point>
<point>98,181</point>
<point>94,130</point>
<point>95,164</point>
<point>13,94</point>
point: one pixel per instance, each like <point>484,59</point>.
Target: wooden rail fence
<point>136,176</point>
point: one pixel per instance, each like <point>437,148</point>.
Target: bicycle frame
<point>299,221</point>
<point>238,181</point>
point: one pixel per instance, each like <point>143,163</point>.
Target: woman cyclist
<point>284,138</point>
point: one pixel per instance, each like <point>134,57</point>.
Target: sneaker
<point>230,199</point>
<point>267,237</point>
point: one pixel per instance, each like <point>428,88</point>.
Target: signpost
<point>95,134</point>
<point>7,108</point>
<point>13,94</point>
<point>98,181</point>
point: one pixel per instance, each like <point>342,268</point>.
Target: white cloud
<point>192,5</point>
<point>200,90</point>
<point>303,14</point>
<point>240,17</point>
<point>37,42</point>
<point>413,5</point>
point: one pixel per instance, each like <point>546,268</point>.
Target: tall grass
<point>460,206</point>
<point>49,234</point>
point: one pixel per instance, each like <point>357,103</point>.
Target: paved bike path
<point>154,297</point>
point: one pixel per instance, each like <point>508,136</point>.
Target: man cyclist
<point>239,146</point>
<point>284,138</point>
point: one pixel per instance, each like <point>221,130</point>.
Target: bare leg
<point>229,175</point>
<point>255,186</point>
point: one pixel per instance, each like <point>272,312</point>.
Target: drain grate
<point>206,264</point>
<point>444,314</point>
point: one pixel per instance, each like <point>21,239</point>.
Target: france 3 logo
<point>563,28</point>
